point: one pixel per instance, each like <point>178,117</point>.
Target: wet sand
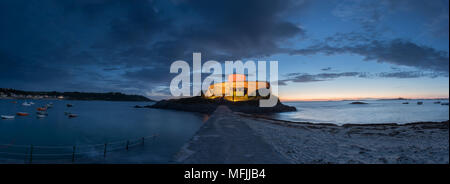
<point>229,137</point>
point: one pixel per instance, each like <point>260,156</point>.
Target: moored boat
<point>41,109</point>
<point>42,113</point>
<point>405,103</point>
<point>73,115</point>
<point>22,114</point>
<point>419,103</point>
<point>41,116</point>
<point>69,105</point>
<point>7,117</point>
<point>26,104</point>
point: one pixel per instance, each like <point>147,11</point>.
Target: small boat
<point>405,103</point>
<point>31,103</point>
<point>42,113</point>
<point>419,103</point>
<point>41,109</point>
<point>48,106</point>
<point>438,102</point>
<point>444,103</point>
<point>41,116</point>
<point>69,105</point>
<point>22,114</point>
<point>7,117</point>
<point>73,115</point>
<point>26,104</point>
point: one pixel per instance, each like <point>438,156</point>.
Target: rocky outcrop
<point>358,103</point>
<point>203,105</point>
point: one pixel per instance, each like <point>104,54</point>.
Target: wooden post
<point>73,154</point>
<point>31,154</point>
<point>128,142</point>
<point>104,151</point>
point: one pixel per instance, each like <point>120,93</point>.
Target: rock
<point>203,105</point>
<point>358,103</point>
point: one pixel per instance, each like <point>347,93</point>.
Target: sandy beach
<point>307,143</point>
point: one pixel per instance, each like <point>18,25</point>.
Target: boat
<point>41,109</point>
<point>31,103</point>
<point>69,105</point>
<point>438,102</point>
<point>405,103</point>
<point>41,116</point>
<point>444,103</point>
<point>22,114</point>
<point>73,115</point>
<point>7,117</point>
<point>26,104</point>
<point>42,113</point>
<point>48,106</point>
<point>419,103</point>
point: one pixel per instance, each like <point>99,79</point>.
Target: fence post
<point>104,151</point>
<point>128,142</point>
<point>143,141</point>
<point>31,154</point>
<point>73,154</point>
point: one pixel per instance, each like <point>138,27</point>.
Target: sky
<point>326,49</point>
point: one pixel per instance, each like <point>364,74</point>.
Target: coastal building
<point>236,88</point>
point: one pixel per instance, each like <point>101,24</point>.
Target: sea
<point>373,112</point>
<point>101,122</point>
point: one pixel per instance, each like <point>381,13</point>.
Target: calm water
<point>101,121</point>
<point>98,122</point>
<point>376,111</point>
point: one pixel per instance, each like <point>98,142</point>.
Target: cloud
<point>306,78</point>
<point>131,44</point>
<point>371,15</point>
<point>397,51</point>
<point>410,74</point>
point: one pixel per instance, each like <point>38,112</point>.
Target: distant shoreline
<point>6,93</point>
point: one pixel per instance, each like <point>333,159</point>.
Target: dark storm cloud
<point>132,40</point>
<point>398,52</point>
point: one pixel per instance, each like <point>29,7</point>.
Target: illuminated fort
<point>237,88</point>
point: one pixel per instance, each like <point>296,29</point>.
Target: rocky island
<point>205,105</point>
